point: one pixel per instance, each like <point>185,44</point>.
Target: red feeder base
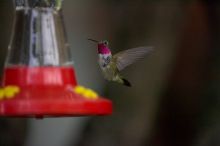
<point>48,91</point>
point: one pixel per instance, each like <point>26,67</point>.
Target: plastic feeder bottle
<point>39,79</point>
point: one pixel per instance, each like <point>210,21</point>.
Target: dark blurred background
<point>175,98</point>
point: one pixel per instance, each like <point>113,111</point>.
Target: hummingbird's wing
<point>127,57</point>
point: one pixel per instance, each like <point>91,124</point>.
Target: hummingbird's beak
<point>93,40</point>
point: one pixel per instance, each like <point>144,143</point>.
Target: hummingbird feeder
<point>39,78</point>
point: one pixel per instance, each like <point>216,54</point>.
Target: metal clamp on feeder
<point>57,4</point>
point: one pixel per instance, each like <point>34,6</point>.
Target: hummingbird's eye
<point>105,42</point>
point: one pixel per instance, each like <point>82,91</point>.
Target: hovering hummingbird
<point>111,65</point>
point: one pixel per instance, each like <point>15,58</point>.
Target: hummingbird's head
<point>102,46</point>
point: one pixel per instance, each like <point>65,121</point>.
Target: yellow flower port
<point>9,92</point>
<point>85,92</point>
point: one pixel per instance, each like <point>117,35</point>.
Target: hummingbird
<point>111,65</point>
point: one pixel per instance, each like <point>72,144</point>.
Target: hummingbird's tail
<point>126,82</point>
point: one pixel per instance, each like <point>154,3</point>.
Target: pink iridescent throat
<point>103,49</point>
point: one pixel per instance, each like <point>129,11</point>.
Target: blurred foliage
<point>6,14</point>
<point>12,131</point>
